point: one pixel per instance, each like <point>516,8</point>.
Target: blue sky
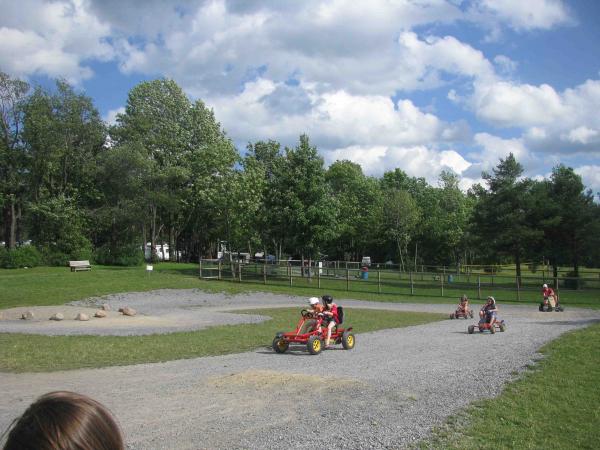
<point>423,85</point>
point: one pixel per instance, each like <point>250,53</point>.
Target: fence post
<point>200,268</point>
<point>518,289</point>
<point>265,272</point>
<point>378,281</point>
<point>219,270</point>
<point>240,271</point>
<point>319,276</point>
<point>442,284</point>
<point>347,279</point>
<point>479,287</point>
<point>412,287</point>
<point>290,273</point>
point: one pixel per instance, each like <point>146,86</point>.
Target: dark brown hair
<point>65,420</point>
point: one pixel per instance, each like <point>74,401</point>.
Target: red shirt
<point>333,311</point>
<point>547,292</point>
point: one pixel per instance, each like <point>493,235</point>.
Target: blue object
<point>364,275</point>
<point>450,278</point>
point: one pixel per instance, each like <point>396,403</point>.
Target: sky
<point>420,85</point>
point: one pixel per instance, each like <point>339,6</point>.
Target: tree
<point>158,119</point>
<point>305,202</point>
<point>401,216</point>
<point>572,213</point>
<point>358,197</point>
<point>502,217</point>
<point>12,157</point>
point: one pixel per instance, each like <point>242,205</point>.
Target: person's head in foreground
<point>65,421</point>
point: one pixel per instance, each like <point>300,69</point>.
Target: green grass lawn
<point>553,406</point>
<point>57,285</point>
<point>35,353</point>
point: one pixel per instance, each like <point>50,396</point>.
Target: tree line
<point>166,171</point>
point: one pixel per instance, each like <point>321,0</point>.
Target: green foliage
<point>23,256</point>
<point>58,228</point>
<point>126,255</point>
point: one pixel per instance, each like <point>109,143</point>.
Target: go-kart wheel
<point>471,329</point>
<point>314,345</point>
<point>541,308</point>
<point>452,316</point>
<point>502,327</point>
<point>559,309</point>
<point>348,340</point>
<point>493,329</point>
<point>280,345</point>
<point>471,314</point>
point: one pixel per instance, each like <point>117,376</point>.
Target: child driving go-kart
<point>488,319</point>
<point>550,300</point>
<point>463,309</point>
<point>317,324</point>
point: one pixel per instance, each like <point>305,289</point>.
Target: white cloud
<point>417,161</point>
<point>51,38</point>
<point>550,119</point>
<point>590,176</point>
<point>332,119</point>
<point>111,116</point>
<point>506,104</point>
<point>526,15</point>
<point>506,66</point>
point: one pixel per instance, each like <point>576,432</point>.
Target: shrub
<point>24,256</point>
<point>125,255</point>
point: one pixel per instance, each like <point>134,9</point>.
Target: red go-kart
<point>468,313</point>
<point>311,332</point>
<point>484,325</point>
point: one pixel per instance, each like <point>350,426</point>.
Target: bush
<point>24,256</point>
<point>126,255</point>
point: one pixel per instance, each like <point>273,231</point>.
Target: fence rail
<point>376,279</point>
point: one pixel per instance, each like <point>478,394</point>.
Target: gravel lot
<point>386,393</point>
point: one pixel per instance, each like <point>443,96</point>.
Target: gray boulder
<point>57,316</point>
<point>100,313</point>
<point>127,311</point>
<point>27,315</point>
<point>83,317</point>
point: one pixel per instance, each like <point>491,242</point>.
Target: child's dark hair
<point>65,420</point>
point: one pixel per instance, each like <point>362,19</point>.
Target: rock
<point>120,310</point>
<point>27,315</point>
<point>57,316</point>
<point>106,307</point>
<point>100,313</point>
<point>127,311</point>
<point>82,316</point>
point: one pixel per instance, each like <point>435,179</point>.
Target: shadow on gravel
<point>289,352</point>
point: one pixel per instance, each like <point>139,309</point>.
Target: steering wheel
<point>305,313</point>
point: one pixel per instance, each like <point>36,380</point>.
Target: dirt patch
<point>267,379</point>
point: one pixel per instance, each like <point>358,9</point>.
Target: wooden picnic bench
<point>79,265</point>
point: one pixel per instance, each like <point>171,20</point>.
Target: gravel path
<point>386,393</point>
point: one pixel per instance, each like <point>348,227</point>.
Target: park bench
<point>79,265</point>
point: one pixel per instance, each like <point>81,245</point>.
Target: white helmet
<point>313,301</point>
<point>544,286</point>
